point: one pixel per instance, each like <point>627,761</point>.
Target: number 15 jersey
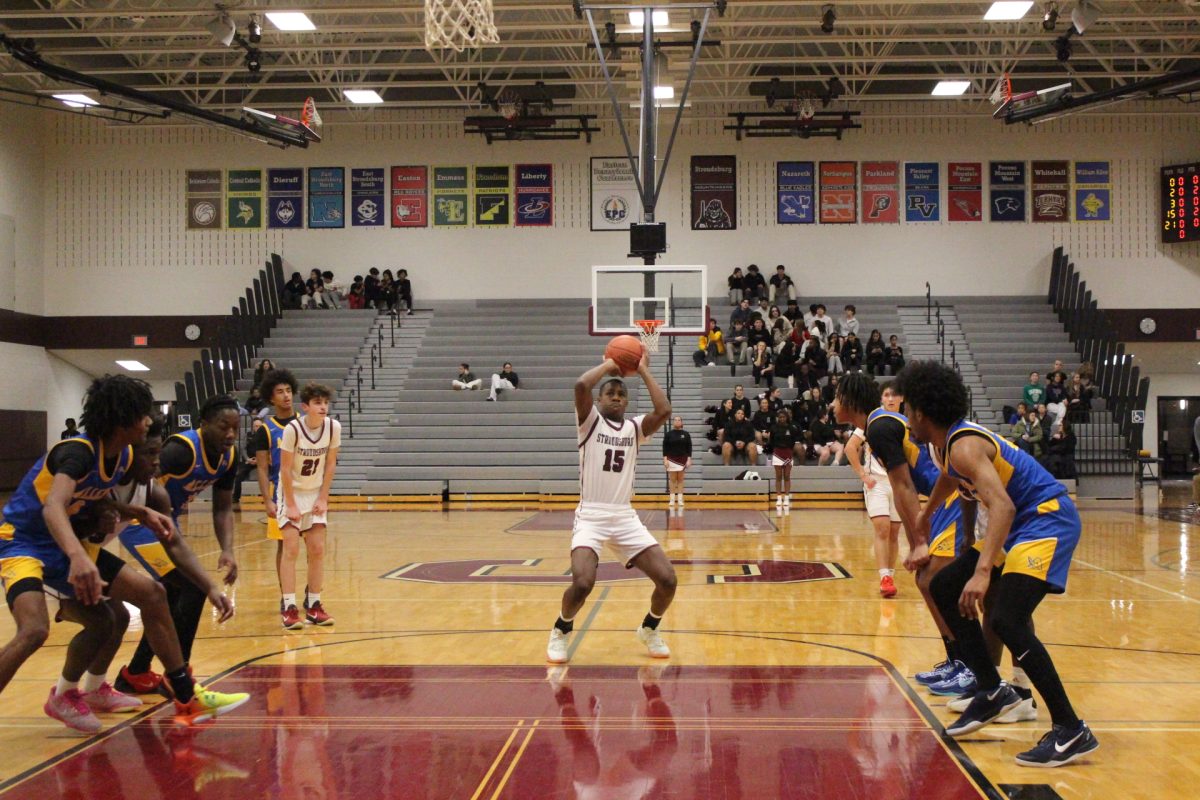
<point>310,447</point>
<point>607,459</point>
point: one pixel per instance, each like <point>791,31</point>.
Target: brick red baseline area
<point>521,732</point>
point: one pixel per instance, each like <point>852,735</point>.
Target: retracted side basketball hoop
<point>459,24</point>
<point>650,332</point>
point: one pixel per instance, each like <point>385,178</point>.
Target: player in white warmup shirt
<point>608,448</point>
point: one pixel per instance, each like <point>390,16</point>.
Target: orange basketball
<point>626,351</point>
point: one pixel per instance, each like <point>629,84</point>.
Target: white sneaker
<point>787,500</point>
<point>779,501</point>
<point>671,501</point>
<point>556,650</point>
<point>654,643</point>
<point>1025,711</point>
<point>680,496</point>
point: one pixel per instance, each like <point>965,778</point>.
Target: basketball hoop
<point>508,103</point>
<point>459,24</point>
<point>650,333</point>
<point>309,117</point>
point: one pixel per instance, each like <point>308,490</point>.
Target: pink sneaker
<point>106,699</point>
<point>70,709</point>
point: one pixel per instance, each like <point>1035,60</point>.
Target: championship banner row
<point>485,196</point>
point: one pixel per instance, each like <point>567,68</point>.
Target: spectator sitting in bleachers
<point>826,446</point>
<point>740,314</point>
<point>1056,388</point>
<point>254,402</point>
<point>848,324</point>
<point>875,354</point>
<point>1060,453</point>
<point>264,366</point>
<point>829,390</point>
<point>810,315</point>
<point>504,379</point>
<point>785,362</point>
<point>894,358</point>
<point>792,312</point>
<point>371,288</point>
<point>356,297</point>
<point>739,440</point>
<point>781,284</point>
<point>1026,434</point>
<point>710,346</point>
<point>404,296</point>
<point>816,359</point>
<point>852,354</point>
<point>762,420</point>
<point>1033,392</point>
<point>833,355</point>
<point>737,286</point>
<point>1059,370</point>
<point>721,420</point>
<point>759,333</point>
<point>807,384</point>
<point>763,364</point>
<point>1014,415</point>
<point>775,397</point>
<point>780,327</point>
<point>466,379</point>
<point>333,290</point>
<point>1079,399</point>
<point>741,401</point>
<point>755,284</point>
<point>739,344</point>
<point>801,411</point>
<point>294,292</point>
<point>823,323</point>
<point>314,292</point>
<point>387,293</point>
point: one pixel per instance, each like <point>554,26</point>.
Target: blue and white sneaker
<point>1060,746</point>
<point>985,708</point>
<point>961,682</point>
<point>939,673</point>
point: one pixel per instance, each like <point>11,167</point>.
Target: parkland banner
<point>714,193</point>
<point>922,191</point>
<point>880,191</point>
<point>615,201</point>
<point>493,196</point>
<point>965,193</point>
<point>244,199</point>
<point>795,190</point>
<point>285,198</point>
<point>326,197</point>
<point>1093,191</point>
<point>1006,201</point>
<point>1051,191</point>
<point>839,192</point>
<point>367,188</point>
<point>451,196</point>
<point>535,195</point>
<point>410,193</point>
<point>203,195</point>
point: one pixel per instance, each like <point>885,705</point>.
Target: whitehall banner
<point>1093,191</point>
<point>410,193</point>
<point>839,192</point>
<point>326,197</point>
<point>615,201</point>
<point>714,193</point>
<point>1051,191</point>
<point>880,191</point>
<point>367,188</point>
<point>204,203</point>
<point>535,195</point>
<point>1007,198</point>
<point>451,196</point>
<point>795,189</point>
<point>493,200</point>
<point>285,198</point>
<point>922,191</point>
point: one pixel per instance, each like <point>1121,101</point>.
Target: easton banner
<point>1051,191</point>
<point>880,191</point>
<point>922,191</point>
<point>795,189</point>
<point>244,199</point>
<point>204,204</point>
<point>367,188</point>
<point>535,195</point>
<point>714,193</point>
<point>1007,184</point>
<point>965,193</point>
<point>1093,191</point>
<point>326,197</point>
<point>285,198</point>
<point>493,196</point>
<point>839,192</point>
<point>615,201</point>
<point>410,193</point>
<point>451,196</point>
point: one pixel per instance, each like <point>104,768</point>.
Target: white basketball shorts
<point>880,502</point>
<point>617,526</point>
<point>305,502</point>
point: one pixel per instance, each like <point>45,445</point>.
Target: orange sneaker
<point>317,615</point>
<point>206,705</point>
<point>148,682</point>
<point>291,619</point>
<point>887,586</point>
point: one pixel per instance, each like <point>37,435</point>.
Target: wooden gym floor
<point>789,676</point>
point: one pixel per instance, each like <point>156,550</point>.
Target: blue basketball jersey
<point>274,429</point>
<point>183,487</point>
<point>1027,482</point>
<point>921,465</point>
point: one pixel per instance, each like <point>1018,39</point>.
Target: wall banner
<point>1007,199</point>
<point>451,196</point>
<point>615,201</point>
<point>535,195</point>
<point>839,192</point>
<point>410,193</point>
<point>965,194</point>
<point>1093,191</point>
<point>493,199</point>
<point>1051,191</point>
<point>285,198</point>
<point>714,193</point>
<point>880,191</point>
<point>795,187</point>
<point>367,188</point>
<point>204,203</point>
<point>326,197</point>
<point>244,199</point>
<point>922,191</point>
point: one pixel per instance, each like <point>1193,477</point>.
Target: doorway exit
<point>1176,434</point>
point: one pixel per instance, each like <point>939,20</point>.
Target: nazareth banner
<point>795,187</point>
<point>493,200</point>
<point>880,191</point>
<point>1093,191</point>
<point>839,192</point>
<point>367,187</point>
<point>204,189</point>
<point>615,201</point>
<point>922,191</point>
<point>965,191</point>
<point>1051,191</point>
<point>1007,198</point>
<point>451,194</point>
<point>326,197</point>
<point>535,195</point>
<point>244,199</point>
<point>714,193</point>
<point>285,198</point>
<point>410,191</point>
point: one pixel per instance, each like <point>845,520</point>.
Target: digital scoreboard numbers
<point>1181,203</point>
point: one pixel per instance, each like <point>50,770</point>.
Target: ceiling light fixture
<point>253,60</point>
<point>950,88</point>
<point>254,29</point>
<point>660,19</point>
<point>828,18</point>
<point>1084,16</point>
<point>133,366</point>
<point>222,29</point>
<point>1008,10</point>
<point>362,96</point>
<point>76,100</point>
<point>663,88</point>
<point>1062,47</point>
<point>291,21</point>
<point>1050,18</point>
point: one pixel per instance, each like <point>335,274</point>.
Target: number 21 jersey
<point>310,448</point>
<point>607,459</point>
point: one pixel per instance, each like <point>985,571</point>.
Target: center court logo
<point>558,571</point>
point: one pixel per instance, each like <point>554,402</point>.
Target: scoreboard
<point>1180,217</point>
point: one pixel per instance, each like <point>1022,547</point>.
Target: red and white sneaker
<point>148,682</point>
<point>108,700</point>
<point>69,709</point>
<point>887,586</point>
<point>291,619</point>
<point>316,614</point>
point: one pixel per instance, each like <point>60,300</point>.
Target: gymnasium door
<point>1176,442</point>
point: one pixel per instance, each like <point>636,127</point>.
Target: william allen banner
<point>839,191</point>
<point>326,197</point>
<point>535,195</point>
<point>795,188</point>
<point>714,193</point>
<point>285,198</point>
<point>204,188</point>
<point>922,191</point>
<point>410,191</point>
<point>1051,191</point>
<point>880,191</point>
<point>1093,191</point>
<point>615,201</point>
<point>367,187</point>
<point>1007,201</point>
<point>965,193</point>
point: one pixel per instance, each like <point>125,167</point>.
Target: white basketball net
<point>459,24</point>
<point>649,333</point>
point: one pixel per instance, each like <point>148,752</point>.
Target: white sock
<point>1019,678</point>
<point>91,683</point>
<point>289,600</point>
<point>887,573</point>
<point>313,598</point>
<point>65,685</point>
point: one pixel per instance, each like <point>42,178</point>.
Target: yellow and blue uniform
<point>946,535</point>
<point>181,486</point>
<point>1046,527</point>
<point>27,549</point>
<point>273,428</point>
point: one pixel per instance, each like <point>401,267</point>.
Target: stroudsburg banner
<point>714,193</point>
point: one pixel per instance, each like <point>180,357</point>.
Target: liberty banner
<point>615,201</point>
<point>493,201</point>
<point>880,191</point>
<point>714,193</point>
<point>410,192</point>
<point>922,191</point>
<point>367,187</point>
<point>839,192</point>
<point>1007,199</point>
<point>326,197</point>
<point>244,199</point>
<point>1093,191</point>
<point>451,196</point>
<point>965,193</point>
<point>204,188</point>
<point>1051,191</point>
<point>535,195</point>
<point>795,188</point>
<point>285,198</point>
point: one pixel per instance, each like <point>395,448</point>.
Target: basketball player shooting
<point>608,448</point>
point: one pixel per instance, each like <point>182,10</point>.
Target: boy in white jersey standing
<point>308,457</point>
<point>608,447</point>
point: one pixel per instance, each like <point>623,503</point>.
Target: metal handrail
<point>928,301</point>
<point>359,379</point>
<point>350,410</point>
<point>373,367</point>
<point>393,326</point>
